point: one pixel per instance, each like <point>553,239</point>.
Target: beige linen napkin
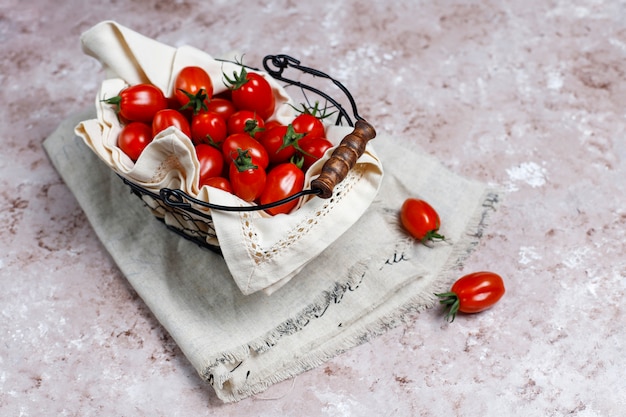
<point>262,252</point>
<point>364,283</point>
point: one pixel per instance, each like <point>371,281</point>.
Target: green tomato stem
<point>432,236</point>
<point>450,299</point>
<point>196,101</point>
<point>238,80</point>
<point>243,161</point>
<point>252,128</point>
<point>113,100</point>
<point>291,138</point>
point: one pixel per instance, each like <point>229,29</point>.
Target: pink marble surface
<point>526,95</point>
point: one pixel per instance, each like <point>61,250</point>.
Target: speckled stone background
<point>526,95</point>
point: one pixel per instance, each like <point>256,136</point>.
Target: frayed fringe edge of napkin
<point>358,335</point>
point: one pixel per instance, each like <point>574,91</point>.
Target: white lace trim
<point>262,255</point>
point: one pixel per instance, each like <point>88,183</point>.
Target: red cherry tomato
<point>139,103</point>
<point>221,106</point>
<point>246,178</point>
<point>281,143</point>
<point>271,123</point>
<point>246,121</point>
<point>420,219</point>
<point>246,142</point>
<point>218,182</point>
<point>251,91</point>
<point>312,149</point>
<point>208,127</point>
<point>170,117</point>
<point>308,124</point>
<point>224,94</point>
<point>211,162</point>
<point>473,293</point>
<point>172,103</point>
<point>283,181</point>
<point>133,139</point>
<point>193,88</point>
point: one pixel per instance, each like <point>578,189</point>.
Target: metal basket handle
<point>344,157</point>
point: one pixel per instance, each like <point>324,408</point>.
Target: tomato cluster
<point>239,147</point>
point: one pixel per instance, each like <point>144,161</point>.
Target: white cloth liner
<point>262,252</point>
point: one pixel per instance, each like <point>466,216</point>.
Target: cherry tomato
<point>308,124</point>
<point>139,103</point>
<point>221,106</point>
<point>245,121</point>
<point>170,117</point>
<point>246,178</point>
<point>282,181</point>
<point>133,139</point>
<point>218,182</point>
<point>251,91</point>
<point>271,123</point>
<point>281,143</point>
<point>211,162</point>
<point>473,293</point>
<point>208,127</point>
<point>225,95</point>
<point>172,103</point>
<point>246,142</point>
<point>193,88</point>
<point>420,219</point>
<point>312,149</point>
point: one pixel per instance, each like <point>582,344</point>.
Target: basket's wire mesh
<point>191,223</point>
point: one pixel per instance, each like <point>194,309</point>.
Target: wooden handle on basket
<point>343,158</point>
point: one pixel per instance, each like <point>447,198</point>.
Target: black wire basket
<point>191,218</point>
